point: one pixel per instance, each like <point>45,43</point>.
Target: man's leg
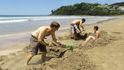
<point>42,49</point>
<point>29,57</point>
<point>43,57</point>
<point>33,51</point>
<point>88,39</point>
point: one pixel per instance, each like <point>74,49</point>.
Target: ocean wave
<point>23,19</point>
<point>12,21</point>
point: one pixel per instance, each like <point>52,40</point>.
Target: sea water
<point>11,25</point>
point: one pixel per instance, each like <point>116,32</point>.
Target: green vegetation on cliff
<point>88,9</point>
<point>119,4</point>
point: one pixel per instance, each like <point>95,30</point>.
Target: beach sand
<point>105,54</point>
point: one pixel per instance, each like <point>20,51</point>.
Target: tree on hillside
<point>87,9</point>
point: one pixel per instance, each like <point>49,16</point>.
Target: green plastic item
<point>69,46</point>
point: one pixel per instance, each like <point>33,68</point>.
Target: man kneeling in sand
<point>37,40</point>
<point>93,36</point>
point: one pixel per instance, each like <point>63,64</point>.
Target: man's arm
<point>82,27</point>
<point>41,37</point>
<point>54,39</point>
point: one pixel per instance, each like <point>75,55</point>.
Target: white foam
<point>23,19</point>
<point>12,21</point>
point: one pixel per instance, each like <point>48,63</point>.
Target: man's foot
<point>27,63</point>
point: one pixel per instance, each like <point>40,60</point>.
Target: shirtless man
<point>94,36</point>
<point>37,40</point>
<point>77,27</point>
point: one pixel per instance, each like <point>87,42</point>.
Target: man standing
<point>37,40</point>
<point>77,28</point>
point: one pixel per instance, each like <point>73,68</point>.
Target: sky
<point>40,7</point>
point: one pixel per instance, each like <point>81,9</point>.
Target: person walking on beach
<point>37,40</point>
<point>77,28</point>
<point>93,36</point>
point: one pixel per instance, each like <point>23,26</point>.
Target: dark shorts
<point>35,46</point>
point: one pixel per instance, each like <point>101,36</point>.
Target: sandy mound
<point>73,61</point>
<point>105,39</point>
